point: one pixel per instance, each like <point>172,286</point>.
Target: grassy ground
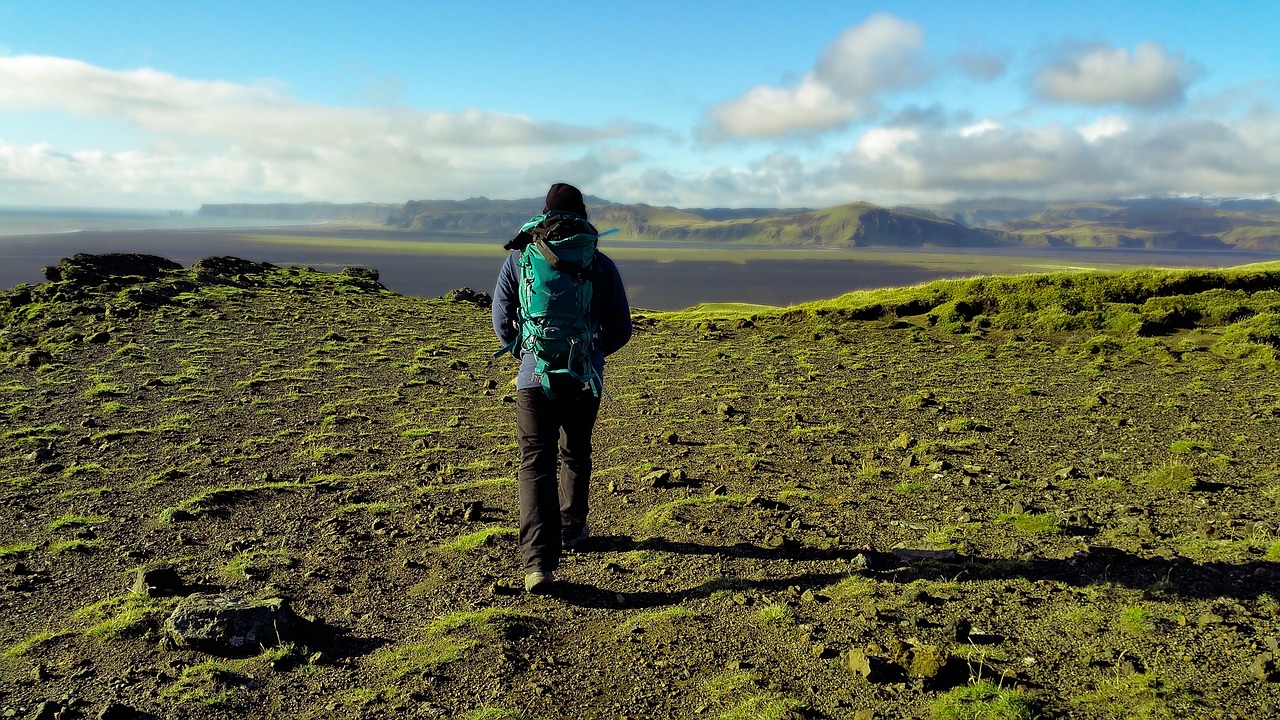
<point>1051,495</point>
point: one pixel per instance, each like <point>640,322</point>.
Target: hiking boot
<point>538,583</point>
<point>575,542</point>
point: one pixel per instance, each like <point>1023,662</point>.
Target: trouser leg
<point>537,432</point>
<point>578,421</point>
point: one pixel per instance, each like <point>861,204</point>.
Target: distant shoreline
<point>659,276</point>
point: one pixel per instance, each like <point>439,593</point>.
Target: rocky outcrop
<point>87,270</point>
<point>227,625</point>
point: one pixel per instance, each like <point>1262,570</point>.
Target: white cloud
<point>1104,127</point>
<point>1146,78</point>
<point>979,127</point>
<point>885,142</point>
<point>878,56</point>
<point>221,140</point>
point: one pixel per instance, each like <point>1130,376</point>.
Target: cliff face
<point>880,226</point>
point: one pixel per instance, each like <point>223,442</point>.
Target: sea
<point>20,220</point>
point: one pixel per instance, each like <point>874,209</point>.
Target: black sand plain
<point>656,284</point>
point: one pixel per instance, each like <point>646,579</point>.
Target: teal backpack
<point>557,251</point>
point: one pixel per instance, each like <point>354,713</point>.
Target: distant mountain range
<point>1158,223</point>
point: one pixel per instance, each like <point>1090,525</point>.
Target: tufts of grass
<point>676,510</point>
<point>960,425</point>
<point>77,546</point>
<point>207,683</point>
<point>419,657</point>
<point>465,486</point>
<point>776,615</point>
<point>104,390</point>
<point>40,433</point>
<point>370,508</point>
<point>1032,523</point>
<point>206,500</point>
<point>448,638</point>
<point>1177,478</point>
<point>767,706</point>
<point>22,647</point>
<point>491,713</point>
<point>118,616</point>
<point>1190,447</point>
<point>467,543</point>
<point>653,618</point>
<point>722,685</point>
<point>1140,695</point>
<point>981,700</point>
<point>851,588</point>
<point>947,536</point>
<point>74,521</point>
<point>247,563</point>
<point>1136,620</point>
<point>15,550</point>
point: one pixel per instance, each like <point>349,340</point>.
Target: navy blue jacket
<point>609,308</point>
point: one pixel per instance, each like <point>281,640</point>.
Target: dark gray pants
<point>555,470</point>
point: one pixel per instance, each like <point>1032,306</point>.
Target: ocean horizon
<point>41,220</point>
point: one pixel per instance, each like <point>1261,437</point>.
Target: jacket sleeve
<point>615,316</point>
<point>506,302</point>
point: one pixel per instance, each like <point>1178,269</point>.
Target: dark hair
<point>567,198</point>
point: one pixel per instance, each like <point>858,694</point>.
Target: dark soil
<point>792,516</point>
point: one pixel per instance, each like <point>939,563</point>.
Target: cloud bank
<point>225,139</point>
<point>1125,124</point>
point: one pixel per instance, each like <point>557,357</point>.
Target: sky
<point>156,104</point>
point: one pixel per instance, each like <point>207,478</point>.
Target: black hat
<point>567,198</point>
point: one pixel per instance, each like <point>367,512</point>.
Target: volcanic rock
<point>225,625</point>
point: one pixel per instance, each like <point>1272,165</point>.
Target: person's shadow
<point>1174,577</point>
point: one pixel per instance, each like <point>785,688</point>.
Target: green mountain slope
<point>852,225</point>
<point>1160,223</point>
<point>1170,223</point>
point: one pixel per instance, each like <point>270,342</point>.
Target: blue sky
<point>160,104</point>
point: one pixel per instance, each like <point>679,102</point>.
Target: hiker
<point>560,307</point>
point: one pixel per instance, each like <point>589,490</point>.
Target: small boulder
<point>226,625</point>
<point>870,667</point>
<point>657,478</point>
<point>467,295</point>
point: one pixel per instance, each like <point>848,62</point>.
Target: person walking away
<point>560,308</point>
